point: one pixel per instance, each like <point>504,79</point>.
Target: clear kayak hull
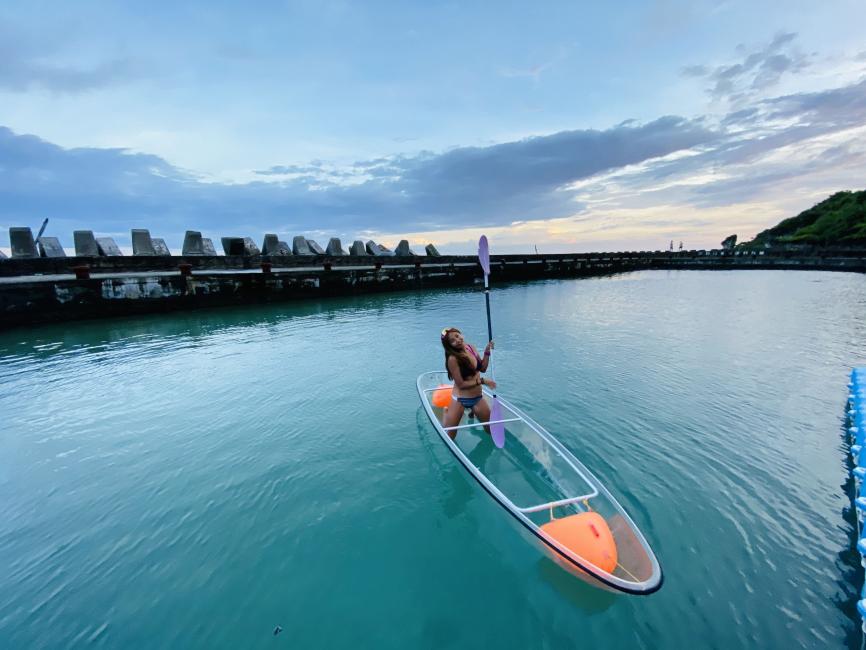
<point>577,522</point>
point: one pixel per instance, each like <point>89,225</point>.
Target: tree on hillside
<point>729,242</point>
<point>837,220</point>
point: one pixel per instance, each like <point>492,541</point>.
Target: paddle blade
<point>497,431</point>
<point>484,254</point>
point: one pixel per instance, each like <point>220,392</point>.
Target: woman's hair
<point>464,361</point>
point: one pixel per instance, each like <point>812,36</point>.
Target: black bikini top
<point>477,362</point>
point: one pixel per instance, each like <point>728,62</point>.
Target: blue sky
<point>555,125</point>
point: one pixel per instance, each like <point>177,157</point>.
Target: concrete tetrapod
<point>403,249</point>
<point>192,243</point>
<point>160,248</point>
<point>335,247</point>
<point>108,247</point>
<point>50,247</point>
<point>142,244</point>
<point>85,243</point>
<point>250,248</point>
<point>21,242</point>
<point>300,246</point>
<point>357,249</point>
<point>314,246</point>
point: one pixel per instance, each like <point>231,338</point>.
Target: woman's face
<point>455,340</point>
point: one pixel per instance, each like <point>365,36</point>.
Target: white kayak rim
<point>638,573</point>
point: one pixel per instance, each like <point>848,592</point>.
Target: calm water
<point>192,481</point>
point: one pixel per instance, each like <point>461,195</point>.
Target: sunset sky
<point>558,125</point>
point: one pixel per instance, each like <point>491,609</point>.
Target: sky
<point>561,126</point>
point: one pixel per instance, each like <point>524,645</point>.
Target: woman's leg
<point>452,418</point>
<point>482,411</point>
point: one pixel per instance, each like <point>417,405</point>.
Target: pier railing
<point>847,259</point>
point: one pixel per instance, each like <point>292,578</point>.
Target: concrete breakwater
<point>40,283</point>
<point>26,299</point>
<point>39,290</point>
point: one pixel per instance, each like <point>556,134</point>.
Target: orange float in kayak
<point>442,396</point>
<point>587,535</point>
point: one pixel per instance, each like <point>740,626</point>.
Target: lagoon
<point>197,479</point>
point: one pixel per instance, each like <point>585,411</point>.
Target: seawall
<point>41,290</point>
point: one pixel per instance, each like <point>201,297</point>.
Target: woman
<point>464,367</point>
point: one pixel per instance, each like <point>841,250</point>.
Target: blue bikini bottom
<point>469,402</point>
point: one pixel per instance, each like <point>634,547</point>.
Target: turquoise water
<point>195,480</point>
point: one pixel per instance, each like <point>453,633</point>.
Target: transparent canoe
<point>551,493</point>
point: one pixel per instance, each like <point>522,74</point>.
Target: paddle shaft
<point>489,323</point>
<point>487,300</point>
<point>496,428</point>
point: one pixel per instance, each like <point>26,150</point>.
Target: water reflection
<point>589,599</point>
<point>851,573</point>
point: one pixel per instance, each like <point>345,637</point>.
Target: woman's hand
<point>490,383</point>
<point>489,347</point>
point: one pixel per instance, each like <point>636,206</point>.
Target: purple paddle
<point>497,430</point>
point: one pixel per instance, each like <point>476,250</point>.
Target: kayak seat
<point>585,534</point>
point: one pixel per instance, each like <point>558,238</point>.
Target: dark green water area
<point>195,480</point>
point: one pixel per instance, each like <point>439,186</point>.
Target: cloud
<point>758,71</point>
<point>845,106</point>
<point>26,66</point>
<point>522,180</point>
<point>532,72</point>
<point>784,147</point>
<point>281,170</point>
<point>111,188</point>
<point>535,71</point>
<point>21,76</point>
<point>812,139</point>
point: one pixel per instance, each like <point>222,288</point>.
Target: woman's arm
<point>485,360</point>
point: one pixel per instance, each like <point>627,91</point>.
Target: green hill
<point>837,221</point>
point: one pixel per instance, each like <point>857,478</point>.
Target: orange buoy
<point>442,395</point>
<point>585,534</point>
